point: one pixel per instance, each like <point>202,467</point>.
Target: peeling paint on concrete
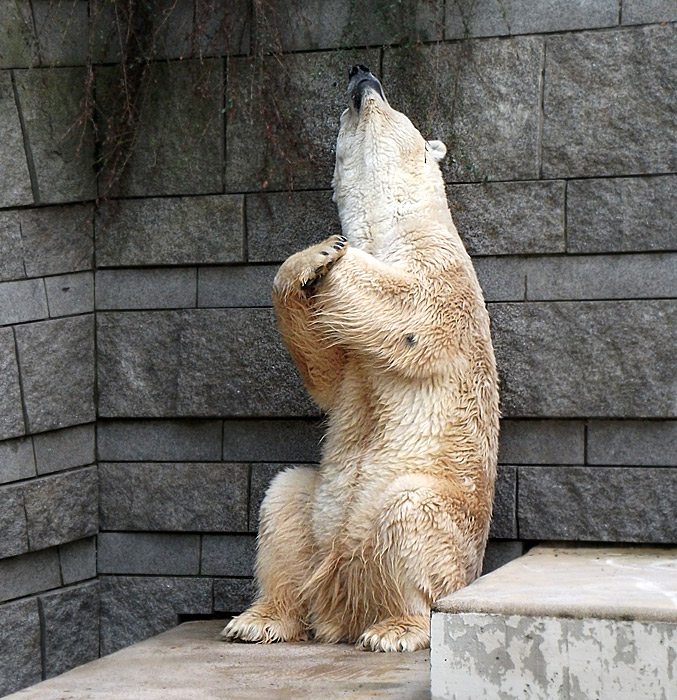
<point>556,656</point>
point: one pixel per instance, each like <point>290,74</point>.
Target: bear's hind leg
<point>425,552</point>
<point>282,563</point>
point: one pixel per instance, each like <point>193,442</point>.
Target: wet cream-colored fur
<point>388,328</point>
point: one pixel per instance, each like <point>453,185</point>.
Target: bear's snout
<point>361,79</point>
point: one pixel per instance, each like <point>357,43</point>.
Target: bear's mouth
<point>360,80</point>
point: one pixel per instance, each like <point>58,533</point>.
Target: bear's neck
<point>384,221</point>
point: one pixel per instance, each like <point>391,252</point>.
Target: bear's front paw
<point>304,270</point>
<point>396,634</point>
<point>262,624</point>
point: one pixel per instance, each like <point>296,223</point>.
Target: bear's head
<point>385,170</point>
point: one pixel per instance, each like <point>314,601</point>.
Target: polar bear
<point>388,328</point>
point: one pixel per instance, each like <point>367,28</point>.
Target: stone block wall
<point>145,398</point>
<point>49,589</point>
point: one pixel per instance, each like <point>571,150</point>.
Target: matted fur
<point>388,328</point>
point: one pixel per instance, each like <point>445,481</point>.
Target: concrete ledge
<point>191,663</point>
<point>562,623</point>
<point>628,583</point>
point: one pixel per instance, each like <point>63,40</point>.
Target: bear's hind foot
<point>262,624</point>
<point>407,633</point>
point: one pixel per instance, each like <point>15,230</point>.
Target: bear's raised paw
<point>304,270</point>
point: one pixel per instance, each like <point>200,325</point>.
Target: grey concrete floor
<point>191,663</point>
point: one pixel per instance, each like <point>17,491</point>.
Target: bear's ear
<point>437,149</point>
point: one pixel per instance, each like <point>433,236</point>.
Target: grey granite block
<point>621,214</point>
<point>283,118</point>
<point>62,146</point>
<point>502,278</point>
<point>11,247</point>
<point>62,32</point>
<point>181,29</point>
<point>569,359</point>
<point>11,411</point>
<point>134,441</point>
<point>171,231</point>
<point>228,555</point>
<point>22,301</point>
<point>272,440</point>
<point>158,288</point>
<point>315,24</point>
<point>504,516</point>
<point>78,560</point>
<point>500,552</point>
<point>608,105</point>
<point>509,218</point>
<point>13,528</point>
<point>57,371</point>
<point>15,181</point>
<point>61,508</point>
<point>17,460</point>
<point>71,627</point>
<point>642,11</point>
<point>17,46</point>
<point>179,133</point>
<point>541,442</point>
<point>21,658</point>
<point>29,573</point>
<point>63,449</point>
<point>282,223</point>
<point>638,276</point>
<point>480,97</point>
<point>70,294</point>
<point>606,504</point>
<point>134,608</point>
<point>174,497</point>
<point>233,595</point>
<point>148,553</point>
<point>204,362</point>
<point>633,443</point>
<point>249,285</point>
<point>57,240</point>
<point>471,18</point>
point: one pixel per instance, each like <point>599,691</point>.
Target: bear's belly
<point>383,429</point>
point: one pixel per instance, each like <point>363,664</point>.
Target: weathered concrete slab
<point>623,214</point>
<point>316,24</point>
<point>472,18</point>
<point>61,141</point>
<point>174,496</point>
<point>191,663</point>
<point>582,503</point>
<point>179,141</point>
<point>591,356</point>
<point>479,97</point>
<point>15,182</point>
<point>196,362</point>
<point>170,231</point>
<point>281,223</point>
<point>607,106</point>
<point>20,661</point>
<point>509,218</point>
<point>283,118</point>
<point>57,371</point>
<point>560,624</point>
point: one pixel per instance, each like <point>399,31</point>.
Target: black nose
<point>357,69</point>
